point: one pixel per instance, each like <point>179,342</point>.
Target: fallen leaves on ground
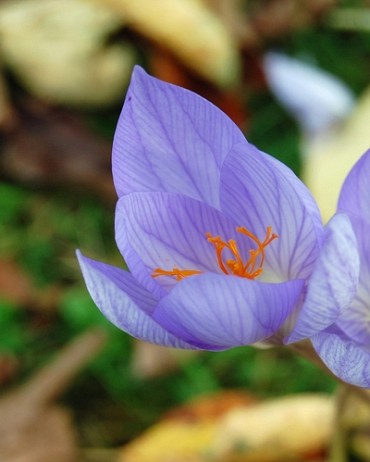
<point>50,147</point>
<point>238,428</point>
<point>60,50</point>
<point>190,30</point>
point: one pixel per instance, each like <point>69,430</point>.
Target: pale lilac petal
<point>347,360</point>
<point>125,303</point>
<point>355,193</point>
<point>170,139</point>
<point>355,320</point>
<point>315,98</point>
<point>133,260</point>
<point>168,231</point>
<point>333,283</point>
<point>303,192</point>
<point>257,194</point>
<point>226,311</point>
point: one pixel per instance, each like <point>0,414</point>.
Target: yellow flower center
<point>236,267</point>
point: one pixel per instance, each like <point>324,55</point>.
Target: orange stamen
<point>250,270</point>
<point>179,274</point>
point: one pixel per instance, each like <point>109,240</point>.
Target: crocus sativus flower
<point>224,243</point>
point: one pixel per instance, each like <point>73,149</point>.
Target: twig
<point>21,407</point>
<point>48,383</point>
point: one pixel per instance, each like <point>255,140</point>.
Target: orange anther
<point>236,267</point>
<point>179,274</point>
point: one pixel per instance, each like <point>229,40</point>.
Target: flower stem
<point>305,349</point>
<point>338,447</point>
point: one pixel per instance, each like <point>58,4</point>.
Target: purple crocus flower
<point>224,244</point>
<point>345,346</point>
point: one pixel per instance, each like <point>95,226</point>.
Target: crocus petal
<point>344,358</point>
<point>226,311</point>
<point>354,196</point>
<point>355,320</point>
<point>303,192</point>
<point>170,139</point>
<point>333,283</point>
<point>258,194</point>
<point>167,231</point>
<point>125,303</point>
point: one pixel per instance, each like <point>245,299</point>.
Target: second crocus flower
<point>345,346</point>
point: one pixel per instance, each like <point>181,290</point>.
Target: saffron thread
<point>233,267</point>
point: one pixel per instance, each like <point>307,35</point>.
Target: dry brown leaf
<point>193,33</point>
<point>51,147</point>
<point>9,367</point>
<point>17,287</point>
<point>15,283</point>
<point>284,429</point>
<point>50,436</point>
<point>329,160</point>
<point>211,406</point>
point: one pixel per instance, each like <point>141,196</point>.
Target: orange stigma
<point>235,267</point>
<point>251,269</point>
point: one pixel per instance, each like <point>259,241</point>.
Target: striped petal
<point>347,360</point>
<point>125,303</point>
<point>355,320</point>
<point>164,230</point>
<point>170,139</point>
<point>333,283</point>
<point>226,311</point>
<point>258,194</point>
<point>355,194</point>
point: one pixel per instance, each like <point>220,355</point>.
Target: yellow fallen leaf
<point>191,30</point>
<point>277,430</point>
<point>59,50</point>
<point>171,442</point>
<point>273,431</point>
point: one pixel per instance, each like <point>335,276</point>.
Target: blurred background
<point>292,74</point>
